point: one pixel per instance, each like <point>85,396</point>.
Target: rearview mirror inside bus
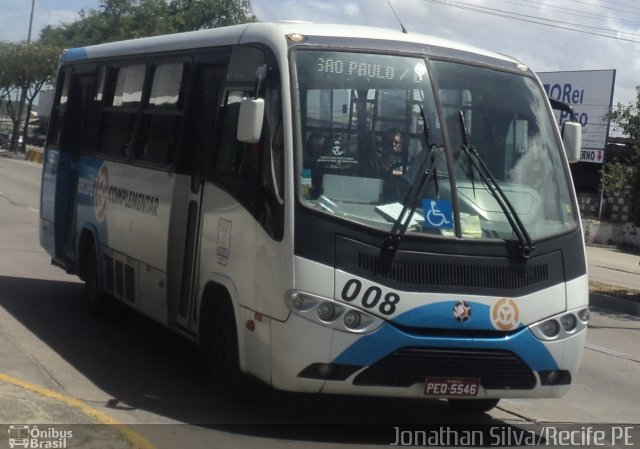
<point>572,139</point>
<point>250,120</point>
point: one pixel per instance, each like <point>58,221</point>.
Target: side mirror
<point>572,140</point>
<point>250,120</point>
<point>571,131</point>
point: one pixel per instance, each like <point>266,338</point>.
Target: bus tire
<point>95,298</point>
<point>223,352</point>
<point>472,405</point>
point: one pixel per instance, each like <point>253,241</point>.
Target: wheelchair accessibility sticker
<point>437,214</point>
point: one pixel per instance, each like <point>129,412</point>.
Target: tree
<point>39,66</point>
<point>116,20</point>
<point>29,67</point>
<point>10,84</point>
<point>200,14</point>
<point>615,174</point>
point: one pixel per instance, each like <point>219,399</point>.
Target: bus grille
<point>428,271</point>
<point>416,272</point>
<point>500,370</point>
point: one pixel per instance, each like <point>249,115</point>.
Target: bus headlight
<point>352,319</point>
<point>550,328</point>
<point>584,315</point>
<point>562,325</point>
<point>326,312</point>
<point>568,322</point>
<point>299,302</point>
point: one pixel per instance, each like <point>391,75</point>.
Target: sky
<point>487,24</point>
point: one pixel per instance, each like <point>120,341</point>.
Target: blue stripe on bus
<point>372,347</point>
<point>439,316</point>
<point>74,54</point>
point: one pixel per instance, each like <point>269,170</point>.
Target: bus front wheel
<point>224,358</point>
<point>472,405</point>
<point>95,298</point>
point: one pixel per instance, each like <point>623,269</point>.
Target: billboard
<point>590,94</point>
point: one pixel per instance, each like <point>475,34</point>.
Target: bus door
<point>73,103</point>
<point>186,215</point>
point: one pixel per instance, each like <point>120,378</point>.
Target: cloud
<point>14,19</point>
<point>543,48</point>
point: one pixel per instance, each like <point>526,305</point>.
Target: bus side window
<point>74,121</point>
<point>161,121</point>
<point>124,87</point>
<point>228,158</point>
<point>59,108</point>
<point>90,138</point>
<point>253,173</point>
<point>272,174</point>
<point>236,164</point>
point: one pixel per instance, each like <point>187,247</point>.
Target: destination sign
<point>355,68</point>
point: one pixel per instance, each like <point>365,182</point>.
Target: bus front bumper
<point>307,357</point>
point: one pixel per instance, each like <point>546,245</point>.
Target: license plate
<point>451,386</point>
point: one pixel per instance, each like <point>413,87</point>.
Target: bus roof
<point>237,34</point>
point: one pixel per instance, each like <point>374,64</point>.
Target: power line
<point>501,11</point>
<point>534,19</point>
<point>572,12</point>
<point>612,2</point>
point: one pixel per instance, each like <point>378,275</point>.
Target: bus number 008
<point>371,297</point>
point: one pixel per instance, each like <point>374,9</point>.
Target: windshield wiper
<point>426,173</point>
<point>525,244</point>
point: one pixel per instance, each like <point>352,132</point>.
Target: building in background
<point>590,94</point>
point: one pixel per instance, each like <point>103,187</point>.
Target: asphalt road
<point>129,370</point>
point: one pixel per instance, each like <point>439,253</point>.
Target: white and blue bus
<point>329,209</point>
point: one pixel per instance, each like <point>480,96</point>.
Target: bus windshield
<point>368,121</point>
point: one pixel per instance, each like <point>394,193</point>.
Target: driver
<point>390,157</point>
<point>390,164</point>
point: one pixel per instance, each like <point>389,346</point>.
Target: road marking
<point>604,350</point>
<point>13,203</point>
<point>136,439</point>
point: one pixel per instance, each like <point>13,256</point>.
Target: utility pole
<point>33,5</point>
<point>23,95</point>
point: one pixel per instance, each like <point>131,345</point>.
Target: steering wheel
<point>402,165</point>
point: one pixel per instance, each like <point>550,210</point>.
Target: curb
<point>32,154</point>
<point>614,304</point>
<point>35,155</point>
<point>137,440</point>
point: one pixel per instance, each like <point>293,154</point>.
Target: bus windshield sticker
<point>437,214</point>
<point>224,241</point>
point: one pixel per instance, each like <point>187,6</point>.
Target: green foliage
<point>191,15</point>
<point>25,68</point>
<point>615,178</point>
<point>27,65</point>
<point>627,117</point>
<point>116,20</point>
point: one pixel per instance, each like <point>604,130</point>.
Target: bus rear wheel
<point>472,405</point>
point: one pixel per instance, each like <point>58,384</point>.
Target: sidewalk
<point>609,265</point>
<point>33,154</point>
